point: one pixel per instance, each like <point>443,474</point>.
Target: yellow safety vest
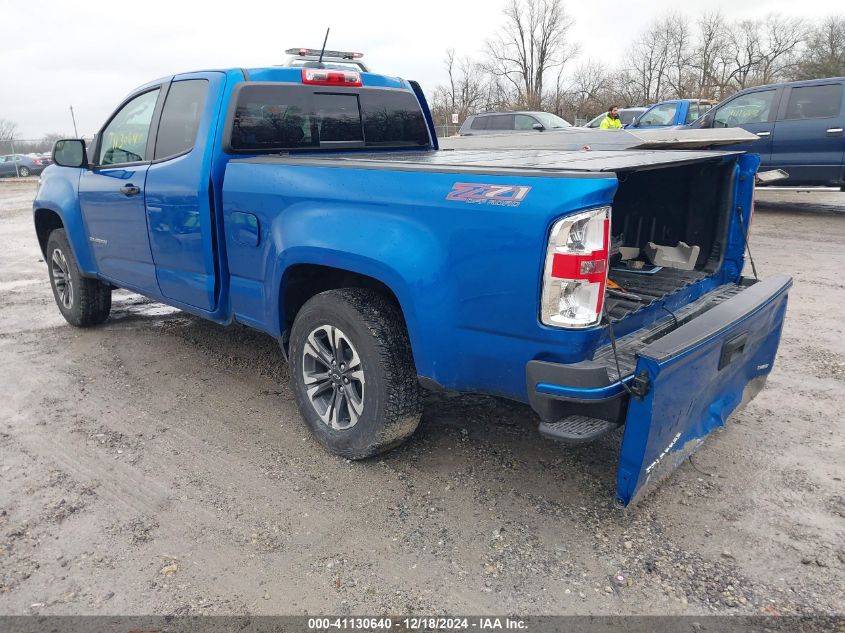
<point>610,124</point>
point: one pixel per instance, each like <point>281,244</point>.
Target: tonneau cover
<point>575,138</point>
<point>527,162</point>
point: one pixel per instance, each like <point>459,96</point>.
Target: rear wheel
<point>82,301</point>
<point>23,172</point>
<point>353,373</point>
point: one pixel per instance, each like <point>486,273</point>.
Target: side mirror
<point>70,152</point>
<point>538,126</point>
<point>635,122</point>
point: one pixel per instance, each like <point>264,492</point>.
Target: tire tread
<point>94,297</point>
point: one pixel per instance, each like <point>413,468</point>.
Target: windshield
<point>551,121</point>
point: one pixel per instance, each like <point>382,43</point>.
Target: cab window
<point>814,102</point>
<point>180,118</point>
<point>501,122</point>
<point>479,123</point>
<point>693,113</point>
<point>751,108</point>
<point>663,114</point>
<point>280,117</point>
<point>524,122</point>
<point>124,139</point>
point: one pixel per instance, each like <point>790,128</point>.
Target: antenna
<point>75,133</point>
<point>323,50</point>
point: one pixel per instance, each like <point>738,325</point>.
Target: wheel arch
<point>46,221</point>
<point>57,200</point>
<point>301,281</point>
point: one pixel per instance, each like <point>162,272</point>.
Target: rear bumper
<point>591,388</point>
<point>557,390</point>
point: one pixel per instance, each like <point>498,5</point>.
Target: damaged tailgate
<point>693,378</point>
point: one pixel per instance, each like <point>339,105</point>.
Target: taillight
<point>575,274</point>
<point>326,77</point>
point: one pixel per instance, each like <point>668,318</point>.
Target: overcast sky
<point>90,54</point>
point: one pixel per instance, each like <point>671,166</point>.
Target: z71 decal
<point>502,195</point>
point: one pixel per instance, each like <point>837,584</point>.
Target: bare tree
<point>648,57</point>
<point>783,37</point>
<point>591,88</point>
<point>463,94</point>
<point>676,33</point>
<point>744,55</point>
<point>533,41</point>
<point>825,51</point>
<point>8,129</point>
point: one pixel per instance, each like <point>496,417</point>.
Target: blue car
<point>671,113</point>
<point>800,125</point>
<point>314,204</point>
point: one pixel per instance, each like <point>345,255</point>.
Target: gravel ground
<point>157,464</point>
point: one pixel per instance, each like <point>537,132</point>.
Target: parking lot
<point>157,464</point>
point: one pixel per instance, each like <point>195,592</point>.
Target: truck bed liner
<point>649,288</point>
<point>627,347</point>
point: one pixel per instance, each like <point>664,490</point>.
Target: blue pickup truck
<point>671,113</point>
<point>314,205</point>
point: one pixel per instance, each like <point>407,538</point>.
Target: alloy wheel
<point>61,278</point>
<point>334,377</point>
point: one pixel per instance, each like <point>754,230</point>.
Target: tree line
<point>533,63</point>
<point>9,136</point>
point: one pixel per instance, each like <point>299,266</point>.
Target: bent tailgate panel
<point>698,375</point>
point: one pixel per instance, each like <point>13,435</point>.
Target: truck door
<point>111,196</point>
<point>808,141</point>
<point>754,112</point>
<point>179,198</point>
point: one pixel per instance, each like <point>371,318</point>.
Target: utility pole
<point>75,133</point>
<point>15,158</point>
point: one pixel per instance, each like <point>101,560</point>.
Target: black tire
<point>83,301</point>
<point>372,330</point>
<point>23,172</point>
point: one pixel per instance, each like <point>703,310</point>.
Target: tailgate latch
<point>640,385</point>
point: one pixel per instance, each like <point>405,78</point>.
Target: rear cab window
<point>284,117</point>
<point>180,118</point>
<point>814,102</point>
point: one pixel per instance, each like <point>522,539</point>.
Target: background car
<point>503,122</point>
<point>800,125</point>
<point>626,115</point>
<point>26,165</point>
<point>673,112</point>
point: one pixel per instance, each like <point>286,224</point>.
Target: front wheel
<point>353,373</point>
<point>82,301</point>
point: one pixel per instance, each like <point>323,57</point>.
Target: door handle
<point>833,131</point>
<point>763,134</point>
<point>130,190</point>
<point>732,349</point>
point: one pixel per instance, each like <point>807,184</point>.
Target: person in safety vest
<point>611,120</point>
